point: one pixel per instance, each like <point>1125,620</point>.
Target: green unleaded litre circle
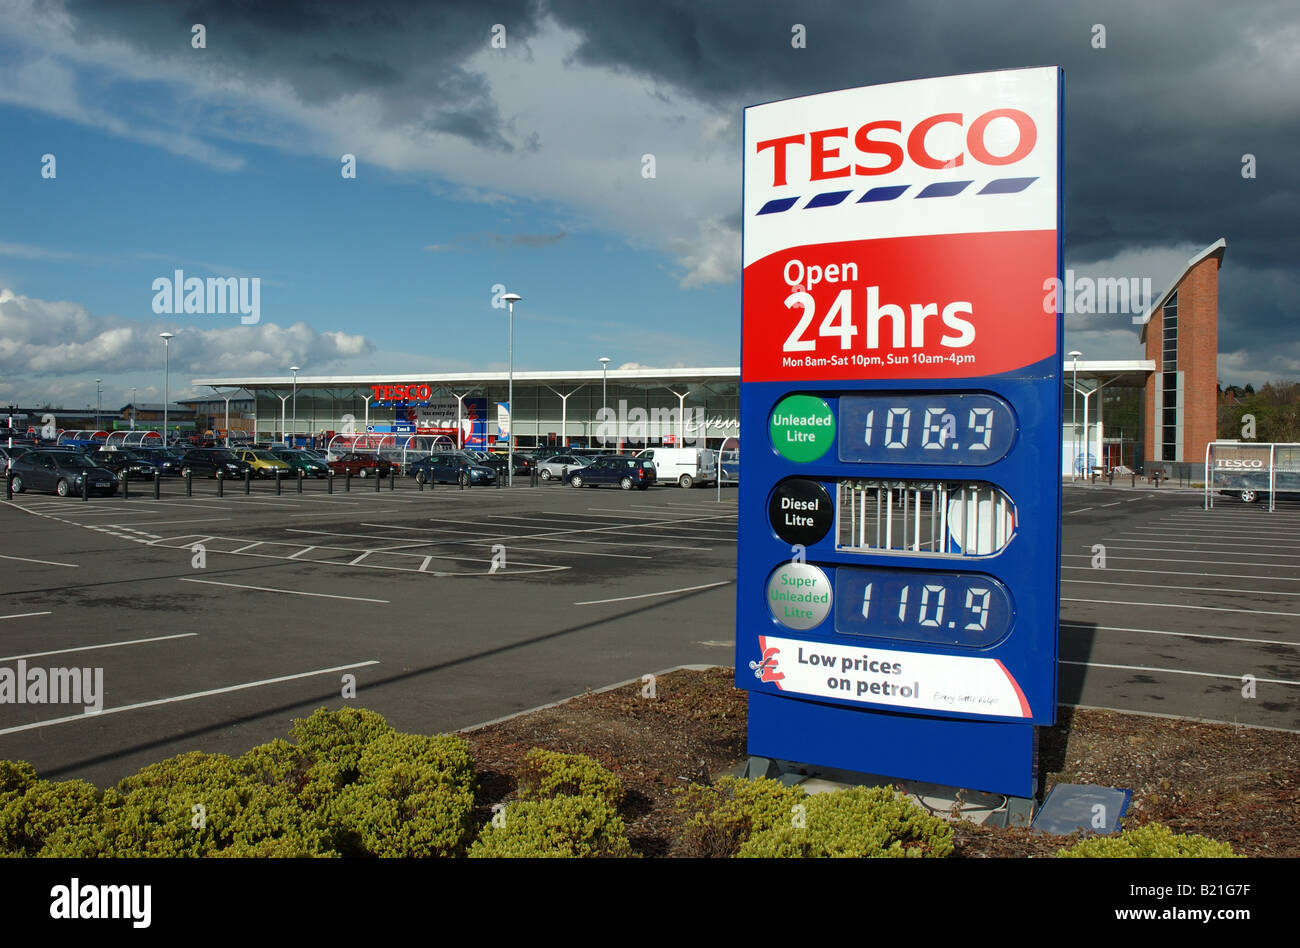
<point>802,427</point>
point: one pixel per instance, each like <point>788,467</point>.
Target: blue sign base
<point>976,755</point>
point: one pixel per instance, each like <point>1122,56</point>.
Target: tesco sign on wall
<point>953,190</point>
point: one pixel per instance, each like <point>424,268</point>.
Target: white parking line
<point>160,523</point>
<point>1162,586</point>
<point>189,697</point>
<point>666,592</point>
<point>289,592</point>
<point>1176,671</point>
<point>1179,572</point>
<point>24,615</point>
<point>91,648</point>
<point>28,559</point>
<point>1080,510</point>
<point>1186,635</point>
<point>1165,549</point>
<point>1178,605</point>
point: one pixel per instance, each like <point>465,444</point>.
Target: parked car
<point>62,472</point>
<point>447,467</point>
<point>169,460</point>
<point>124,459</point>
<point>361,465</point>
<point>559,466</point>
<point>613,469</point>
<point>302,461</point>
<point>264,463</point>
<point>205,462</point>
<point>685,466</point>
<point>522,463</point>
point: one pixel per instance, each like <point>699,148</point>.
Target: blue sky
<point>479,165</point>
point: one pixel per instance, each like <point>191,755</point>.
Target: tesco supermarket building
<point>643,407</point>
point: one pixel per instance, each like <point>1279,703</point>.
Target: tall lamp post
<point>1074,411</point>
<point>134,410</point>
<point>294,370</point>
<point>604,401</point>
<point>99,397</point>
<point>166,337</point>
<point>511,299</point>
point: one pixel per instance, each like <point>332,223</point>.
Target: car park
<point>264,463</point>
<point>448,467</point>
<point>523,464</point>
<point>62,472</point>
<point>614,469</point>
<point>206,462</point>
<point>361,465</point>
<point>559,466</point>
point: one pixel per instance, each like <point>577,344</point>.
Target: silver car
<point>558,465</point>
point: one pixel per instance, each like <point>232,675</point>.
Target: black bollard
<point>157,484</point>
<point>9,485</point>
<point>221,484</point>
<point>248,480</point>
<point>329,481</point>
<point>300,480</point>
<point>392,478</point>
<point>419,482</point>
<point>347,482</point>
<point>189,484</point>
<point>85,487</point>
<point>376,481</point>
<point>126,486</point>
<point>277,482</point>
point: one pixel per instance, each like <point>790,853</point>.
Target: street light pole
<point>511,299</point>
<point>1074,411</point>
<point>99,392</point>
<point>604,400</point>
<point>134,410</point>
<point>294,370</point>
<point>166,337</point>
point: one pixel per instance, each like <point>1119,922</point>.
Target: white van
<point>686,466</point>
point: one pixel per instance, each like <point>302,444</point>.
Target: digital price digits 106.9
<point>938,428</point>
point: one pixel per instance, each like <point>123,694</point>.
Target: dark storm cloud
<point>407,54</point>
<point>1157,122</point>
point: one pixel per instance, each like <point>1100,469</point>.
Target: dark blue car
<point>615,469</point>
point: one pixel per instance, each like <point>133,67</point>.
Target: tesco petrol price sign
<point>897,605</point>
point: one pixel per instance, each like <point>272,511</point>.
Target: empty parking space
<point>1170,608</point>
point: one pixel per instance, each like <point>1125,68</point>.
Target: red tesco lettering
<point>872,139</point>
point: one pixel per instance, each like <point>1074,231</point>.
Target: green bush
<point>558,827</point>
<point>1152,841</point>
<point>413,796</point>
<point>856,823</point>
<point>350,786</point>
<point>545,774</point>
<point>45,811</point>
<point>723,816</point>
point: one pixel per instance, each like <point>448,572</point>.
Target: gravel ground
<point>1240,785</point>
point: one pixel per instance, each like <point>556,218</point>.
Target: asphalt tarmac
<point>216,621</point>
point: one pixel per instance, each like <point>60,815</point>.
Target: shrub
<point>558,827</point>
<point>1152,841</point>
<point>856,823</point>
<point>413,796</point>
<point>726,814</point>
<point>15,776</point>
<point>44,808</point>
<point>545,774</point>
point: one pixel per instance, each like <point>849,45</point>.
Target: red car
<point>361,465</point>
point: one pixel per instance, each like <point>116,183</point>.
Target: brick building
<point>1181,335</point>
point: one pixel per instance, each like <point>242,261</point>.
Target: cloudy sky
<point>505,146</point>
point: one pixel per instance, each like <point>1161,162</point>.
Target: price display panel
<point>897,603</point>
